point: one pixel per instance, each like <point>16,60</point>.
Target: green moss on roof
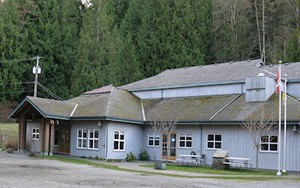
<point>186,109</point>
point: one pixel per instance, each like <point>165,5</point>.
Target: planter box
<point>160,165</point>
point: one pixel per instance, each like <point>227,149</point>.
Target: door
<point>171,143</point>
<point>64,140</point>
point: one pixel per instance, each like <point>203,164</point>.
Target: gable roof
<point>116,103</point>
<point>48,108</point>
<point>213,74</point>
<point>110,103</point>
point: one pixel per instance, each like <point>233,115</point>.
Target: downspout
<point>49,140</point>
<point>106,114</point>
<point>106,142</point>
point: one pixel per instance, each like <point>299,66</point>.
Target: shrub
<point>99,158</point>
<point>13,145</point>
<point>144,156</point>
<point>32,154</point>
<point>130,157</point>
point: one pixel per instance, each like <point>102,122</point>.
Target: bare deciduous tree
<point>258,124</point>
<point>165,122</point>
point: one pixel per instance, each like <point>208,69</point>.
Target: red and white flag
<point>278,79</point>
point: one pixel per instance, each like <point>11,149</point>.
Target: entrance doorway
<point>171,142</point>
<point>64,140</point>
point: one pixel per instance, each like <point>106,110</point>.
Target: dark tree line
<point>121,41</point>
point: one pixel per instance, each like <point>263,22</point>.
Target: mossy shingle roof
<point>214,73</point>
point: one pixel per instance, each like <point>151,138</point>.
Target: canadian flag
<point>278,79</point>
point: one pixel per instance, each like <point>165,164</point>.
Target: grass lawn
<point>236,174</point>
<point>210,170</point>
<point>8,133</point>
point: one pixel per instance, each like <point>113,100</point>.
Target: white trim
<point>72,113</point>
<point>213,141</point>
<point>93,139</point>
<point>35,134</point>
<point>81,139</point>
<point>185,140</point>
<point>119,140</point>
<point>154,139</point>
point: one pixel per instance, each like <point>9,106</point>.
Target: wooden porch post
<point>51,141</point>
<point>45,139</point>
<point>22,133</point>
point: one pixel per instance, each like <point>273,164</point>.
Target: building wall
<point>100,152</point>
<point>192,91</point>
<point>33,145</point>
<point>235,140</point>
<point>133,135</point>
<point>294,89</point>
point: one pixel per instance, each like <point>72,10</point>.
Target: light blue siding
<point>100,152</point>
<point>192,91</point>
<point>294,89</point>
<point>259,88</point>
<point>133,140</point>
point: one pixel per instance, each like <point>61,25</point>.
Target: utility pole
<point>36,70</point>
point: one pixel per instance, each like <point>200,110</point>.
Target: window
<point>56,137</point>
<point>153,139</point>
<point>93,138</point>
<point>81,138</point>
<point>119,141</point>
<point>214,141</point>
<point>269,143</point>
<point>35,133</point>
<point>185,140</point>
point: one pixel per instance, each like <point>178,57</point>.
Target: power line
<point>12,92</point>
<point>18,60</point>
<point>49,92</point>
<point>16,83</point>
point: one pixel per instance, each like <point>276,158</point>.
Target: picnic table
<point>238,162</point>
<point>190,159</point>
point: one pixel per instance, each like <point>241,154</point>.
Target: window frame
<point>35,134</point>
<point>214,141</point>
<point>119,140</point>
<point>185,140</point>
<point>93,139</point>
<point>81,139</point>
<point>155,137</point>
<point>268,143</point>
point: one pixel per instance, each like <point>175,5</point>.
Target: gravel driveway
<point>18,170</point>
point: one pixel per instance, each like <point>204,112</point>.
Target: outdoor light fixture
<point>99,124</point>
<point>295,129</point>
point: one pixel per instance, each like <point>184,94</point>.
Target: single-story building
<point>207,103</point>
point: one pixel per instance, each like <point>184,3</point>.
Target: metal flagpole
<point>279,121</point>
<point>284,130</point>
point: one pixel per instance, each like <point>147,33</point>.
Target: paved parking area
<point>18,170</point>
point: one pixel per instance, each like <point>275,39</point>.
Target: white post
<point>279,122</point>
<point>36,72</point>
<point>284,130</point>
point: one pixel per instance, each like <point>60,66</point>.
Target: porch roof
<point>48,108</point>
